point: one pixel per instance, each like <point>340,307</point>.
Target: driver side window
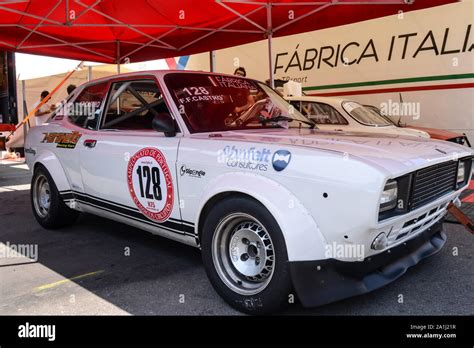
<point>132,105</point>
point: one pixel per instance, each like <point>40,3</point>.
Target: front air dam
<point>323,281</point>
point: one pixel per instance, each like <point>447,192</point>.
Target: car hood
<point>411,132</point>
<point>436,133</point>
<point>394,153</point>
<point>392,130</point>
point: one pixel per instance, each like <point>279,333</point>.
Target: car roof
<point>157,73</point>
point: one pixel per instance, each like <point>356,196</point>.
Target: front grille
<point>433,182</point>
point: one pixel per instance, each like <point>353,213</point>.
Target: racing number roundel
<point>150,184</point>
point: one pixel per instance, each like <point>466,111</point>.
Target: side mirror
<point>163,122</point>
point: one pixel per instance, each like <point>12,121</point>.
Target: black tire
<point>58,213</point>
<point>276,287</point>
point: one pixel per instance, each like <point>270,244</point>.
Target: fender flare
<point>49,160</point>
<point>303,243</point>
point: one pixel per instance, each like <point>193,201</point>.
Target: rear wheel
<point>48,207</point>
<point>245,256</point>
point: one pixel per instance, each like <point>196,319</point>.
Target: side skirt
<point>178,230</point>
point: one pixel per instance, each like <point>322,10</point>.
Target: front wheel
<point>245,256</point>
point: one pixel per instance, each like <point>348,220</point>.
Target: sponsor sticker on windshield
<point>200,94</point>
<point>226,81</point>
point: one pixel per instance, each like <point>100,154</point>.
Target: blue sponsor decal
<point>247,154</point>
<point>281,159</point>
<point>252,158</point>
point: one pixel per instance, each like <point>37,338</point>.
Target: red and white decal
<point>150,184</point>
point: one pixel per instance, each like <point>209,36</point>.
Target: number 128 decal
<point>150,184</point>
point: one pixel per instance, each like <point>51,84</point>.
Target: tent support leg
<point>212,61</point>
<point>270,61</point>
<point>269,40</point>
<point>25,112</point>
<point>118,57</point>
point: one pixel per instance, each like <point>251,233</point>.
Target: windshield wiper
<point>286,118</point>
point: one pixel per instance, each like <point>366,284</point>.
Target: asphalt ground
<point>102,267</point>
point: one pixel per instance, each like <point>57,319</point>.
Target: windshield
<point>365,115</point>
<point>210,103</point>
<point>322,113</point>
<point>379,111</point>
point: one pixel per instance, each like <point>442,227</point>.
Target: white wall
<point>444,108</point>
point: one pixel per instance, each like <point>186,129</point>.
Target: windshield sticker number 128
<point>196,90</point>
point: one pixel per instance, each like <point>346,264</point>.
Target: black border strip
<point>69,194</point>
<point>129,212</point>
<point>136,219</point>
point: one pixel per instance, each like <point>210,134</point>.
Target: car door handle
<point>90,143</point>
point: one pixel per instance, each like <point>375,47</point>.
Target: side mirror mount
<point>163,122</point>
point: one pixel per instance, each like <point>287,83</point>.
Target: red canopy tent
<point>118,31</point>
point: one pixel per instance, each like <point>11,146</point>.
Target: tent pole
<point>118,57</point>
<point>89,73</point>
<point>212,61</point>
<point>25,112</point>
<point>270,62</point>
<point>269,40</point>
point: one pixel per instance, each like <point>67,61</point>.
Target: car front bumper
<point>324,281</point>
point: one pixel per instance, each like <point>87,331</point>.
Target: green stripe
<point>390,82</point>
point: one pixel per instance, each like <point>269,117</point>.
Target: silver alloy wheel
<point>243,254</point>
<point>41,195</point>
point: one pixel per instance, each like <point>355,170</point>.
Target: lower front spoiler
<point>324,281</point>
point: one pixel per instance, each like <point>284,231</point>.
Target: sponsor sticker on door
<point>63,140</point>
<point>150,184</point>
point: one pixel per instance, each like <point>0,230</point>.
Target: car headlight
<point>388,199</point>
<point>461,172</point>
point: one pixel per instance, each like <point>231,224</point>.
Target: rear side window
<point>322,113</point>
<point>132,105</point>
<point>86,108</point>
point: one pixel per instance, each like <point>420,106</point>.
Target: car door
<point>127,167</point>
<point>71,123</point>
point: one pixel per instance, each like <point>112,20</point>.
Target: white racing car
<point>339,114</point>
<point>276,206</point>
